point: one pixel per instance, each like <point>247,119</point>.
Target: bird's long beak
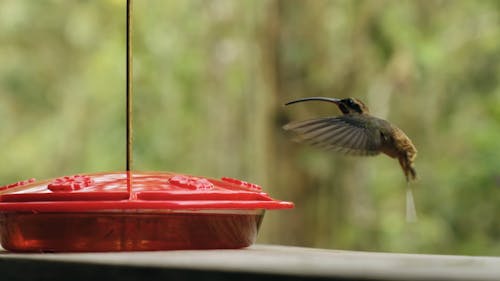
<point>334,100</point>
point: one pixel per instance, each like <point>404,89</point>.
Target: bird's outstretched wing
<point>346,134</point>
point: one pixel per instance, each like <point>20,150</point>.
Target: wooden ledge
<point>259,261</point>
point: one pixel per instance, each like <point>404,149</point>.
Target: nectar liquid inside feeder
<point>131,211</point>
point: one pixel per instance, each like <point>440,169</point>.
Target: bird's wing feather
<point>346,134</point>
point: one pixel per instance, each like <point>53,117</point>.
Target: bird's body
<point>356,132</point>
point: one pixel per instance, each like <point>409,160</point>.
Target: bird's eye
<point>350,101</point>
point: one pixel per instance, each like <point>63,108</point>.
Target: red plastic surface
<point>136,190</point>
<point>192,183</point>
<point>242,183</point>
<point>134,211</point>
<point>19,183</point>
<point>70,183</point>
<point>98,232</point>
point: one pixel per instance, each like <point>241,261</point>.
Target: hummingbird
<point>356,132</point>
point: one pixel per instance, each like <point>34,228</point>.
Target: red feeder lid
<point>134,190</point>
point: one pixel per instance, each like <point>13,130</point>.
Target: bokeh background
<point>210,80</point>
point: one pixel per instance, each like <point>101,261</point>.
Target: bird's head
<point>347,105</point>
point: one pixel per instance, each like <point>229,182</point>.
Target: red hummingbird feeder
<point>131,210</point>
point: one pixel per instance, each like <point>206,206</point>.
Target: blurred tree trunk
<point>326,194</point>
<point>285,175</point>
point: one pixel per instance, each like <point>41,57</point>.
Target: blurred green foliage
<point>211,78</point>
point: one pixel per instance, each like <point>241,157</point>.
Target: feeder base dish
<point>98,232</point>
